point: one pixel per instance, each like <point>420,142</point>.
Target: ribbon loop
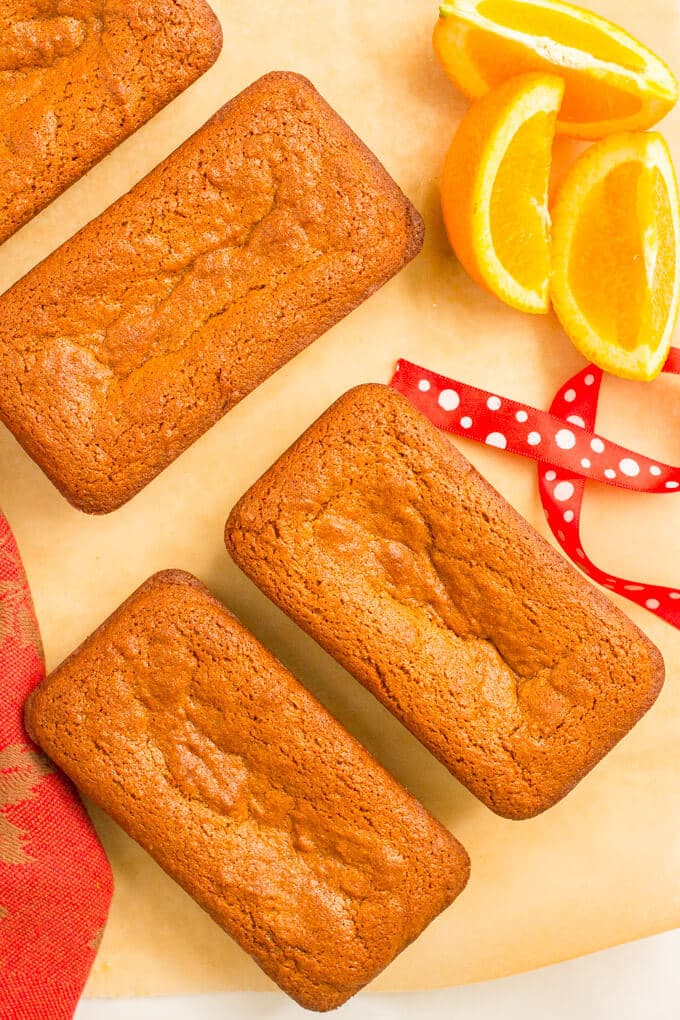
<point>567,449</point>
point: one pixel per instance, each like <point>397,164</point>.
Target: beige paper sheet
<point>603,866</point>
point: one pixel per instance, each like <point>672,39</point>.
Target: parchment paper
<point>602,867</point>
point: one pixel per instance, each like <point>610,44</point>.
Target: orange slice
<point>616,254</point>
<point>495,190</point>
<point>613,82</point>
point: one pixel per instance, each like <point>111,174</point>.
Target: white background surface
<point>639,981</point>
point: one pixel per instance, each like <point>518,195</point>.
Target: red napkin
<point>55,881</point>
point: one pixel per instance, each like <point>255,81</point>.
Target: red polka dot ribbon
<point>568,452</point>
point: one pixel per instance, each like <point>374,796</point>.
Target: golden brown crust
<point>76,81</point>
<point>379,538</point>
<point>257,235</point>
<point>180,725</point>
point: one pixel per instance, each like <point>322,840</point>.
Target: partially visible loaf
<point>180,725</point>
<point>252,239</point>
<point>380,539</point>
<point>77,78</point>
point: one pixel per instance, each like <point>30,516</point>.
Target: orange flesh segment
<point>613,82</point>
<point>498,59</point>
<point>518,214</point>
<point>562,28</point>
<point>622,297</point>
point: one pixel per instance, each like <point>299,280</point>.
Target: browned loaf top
<point>385,545</point>
<point>180,725</point>
<point>79,76</point>
<point>260,232</point>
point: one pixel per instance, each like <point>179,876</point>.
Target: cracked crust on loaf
<point>263,230</point>
<point>77,78</point>
<point>382,542</point>
<point>178,723</point>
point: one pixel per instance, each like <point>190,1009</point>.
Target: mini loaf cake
<point>180,725</point>
<point>384,544</point>
<point>256,236</point>
<point>77,78</point>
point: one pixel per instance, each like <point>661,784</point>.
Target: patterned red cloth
<point>55,881</point>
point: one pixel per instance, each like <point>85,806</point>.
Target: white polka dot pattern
<point>449,400</point>
<point>565,439</point>
<point>563,491</point>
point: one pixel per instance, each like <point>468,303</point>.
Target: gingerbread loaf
<point>380,539</point>
<point>181,726</point>
<point>77,78</point>
<point>263,230</point>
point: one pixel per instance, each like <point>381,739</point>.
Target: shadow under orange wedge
<point>495,190</point>
<point>616,254</point>
<point>613,82</point>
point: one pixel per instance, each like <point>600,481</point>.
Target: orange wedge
<point>613,82</point>
<point>616,254</point>
<point>495,190</point>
